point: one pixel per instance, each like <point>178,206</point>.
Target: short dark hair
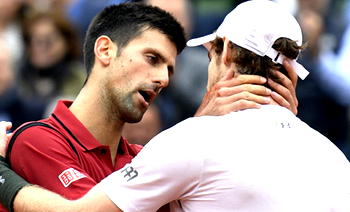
<point>124,22</point>
<point>247,62</point>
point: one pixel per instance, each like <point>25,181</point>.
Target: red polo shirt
<point>44,157</point>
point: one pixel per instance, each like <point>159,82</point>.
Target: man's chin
<point>134,118</point>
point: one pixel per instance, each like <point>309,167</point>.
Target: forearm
<point>33,198</point>
<point>18,195</point>
<point>36,199</point>
<point>10,184</point>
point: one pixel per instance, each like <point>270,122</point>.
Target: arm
<point>36,199</point>
<point>18,195</point>
<point>248,91</point>
<point>47,150</point>
<point>33,198</point>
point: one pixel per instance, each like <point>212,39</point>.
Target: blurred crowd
<point>40,61</point>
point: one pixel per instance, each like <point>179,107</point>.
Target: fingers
<point>285,81</point>
<point>293,79</point>
<point>225,104</point>
<point>4,137</point>
<point>283,96</point>
<point>291,72</point>
<point>280,89</point>
<point>238,105</point>
<point>251,88</point>
<point>282,102</point>
<point>246,96</point>
<point>9,135</point>
<point>233,94</point>
<point>286,89</point>
<point>232,107</point>
<point>241,79</point>
<point>4,127</point>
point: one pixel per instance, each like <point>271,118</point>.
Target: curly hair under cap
<point>248,62</point>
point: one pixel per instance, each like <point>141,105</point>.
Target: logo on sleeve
<point>70,175</point>
<point>130,173</point>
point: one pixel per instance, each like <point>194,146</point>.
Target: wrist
<point>10,184</point>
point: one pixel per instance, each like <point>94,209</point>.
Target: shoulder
<point>36,136</point>
<point>182,139</point>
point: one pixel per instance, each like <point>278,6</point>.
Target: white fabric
<point>256,160</point>
<point>255,25</point>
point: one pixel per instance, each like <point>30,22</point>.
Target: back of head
<point>263,32</point>
<point>124,22</point>
<point>248,62</point>
<point>263,26</point>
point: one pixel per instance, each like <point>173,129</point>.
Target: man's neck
<point>96,119</point>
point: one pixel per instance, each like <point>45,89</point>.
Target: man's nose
<point>162,77</point>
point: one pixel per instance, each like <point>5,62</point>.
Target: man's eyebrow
<point>162,58</point>
<point>158,54</point>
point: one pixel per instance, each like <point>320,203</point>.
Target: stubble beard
<point>121,106</point>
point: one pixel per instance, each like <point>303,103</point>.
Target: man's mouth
<point>147,95</point>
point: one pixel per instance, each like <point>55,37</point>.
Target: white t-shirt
<point>254,160</point>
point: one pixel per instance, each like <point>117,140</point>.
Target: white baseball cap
<point>255,25</point>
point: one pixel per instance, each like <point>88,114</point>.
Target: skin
<point>145,75</point>
<point>43,200</point>
<point>234,93</point>
<point>247,91</point>
<point>144,65</point>
<point>221,66</point>
<point>4,127</point>
<point>116,82</point>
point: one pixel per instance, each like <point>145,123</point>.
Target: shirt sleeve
<point>165,170</point>
<point>44,157</point>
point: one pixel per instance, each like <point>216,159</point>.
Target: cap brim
<point>201,40</point>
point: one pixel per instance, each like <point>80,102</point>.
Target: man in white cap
<point>253,160</point>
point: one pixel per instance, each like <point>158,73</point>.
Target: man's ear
<point>104,50</point>
<point>227,52</point>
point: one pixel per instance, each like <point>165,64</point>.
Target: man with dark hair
<point>124,22</point>
<point>125,77</point>
<point>130,52</point>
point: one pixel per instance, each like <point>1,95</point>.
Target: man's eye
<point>152,59</point>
